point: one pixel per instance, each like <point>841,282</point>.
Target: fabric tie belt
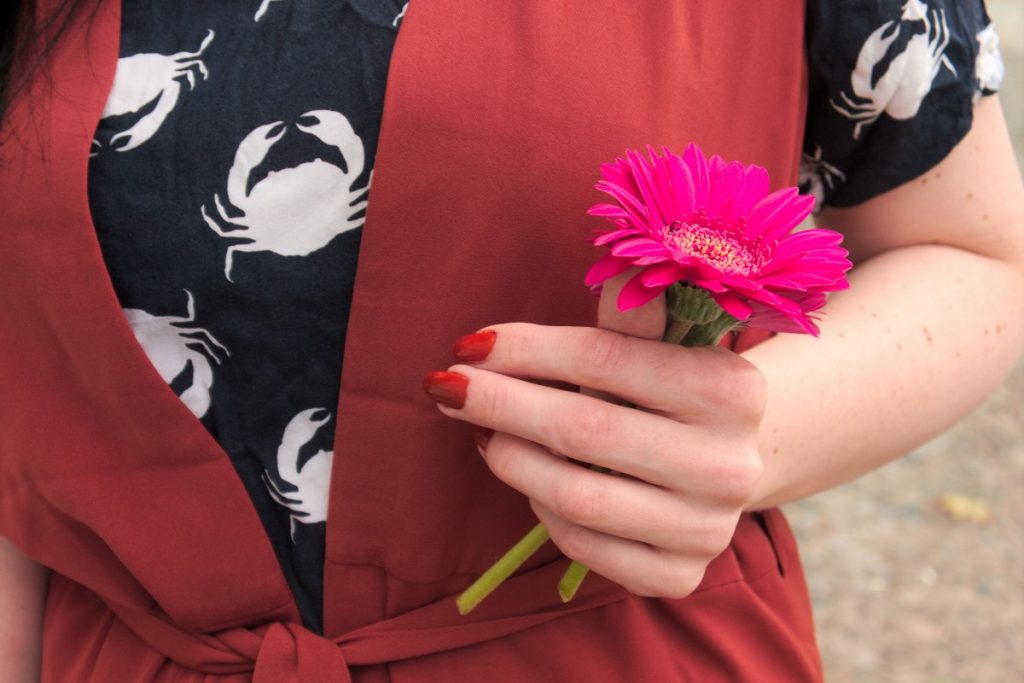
<point>289,653</point>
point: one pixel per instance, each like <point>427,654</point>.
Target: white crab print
<point>264,5</point>
<point>149,76</point>
<point>988,68</point>
<point>298,210</point>
<point>400,15</point>
<point>816,174</point>
<point>908,79</point>
<point>172,343</point>
<point>308,502</point>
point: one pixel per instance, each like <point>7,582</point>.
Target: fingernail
<point>475,347</point>
<point>482,435</point>
<point>447,388</point>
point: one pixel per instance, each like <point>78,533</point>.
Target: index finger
<point>691,385</point>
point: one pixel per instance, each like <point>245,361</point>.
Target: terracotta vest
<point>496,119</point>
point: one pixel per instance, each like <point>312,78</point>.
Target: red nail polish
<point>481,436</point>
<point>448,388</point>
<point>475,347</point>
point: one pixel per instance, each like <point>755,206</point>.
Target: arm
<point>22,595</point>
<point>932,322</point>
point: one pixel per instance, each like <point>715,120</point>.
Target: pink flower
<point>715,225</point>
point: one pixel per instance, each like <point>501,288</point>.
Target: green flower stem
<point>677,330</point>
<point>571,580</point>
<point>574,575</point>
<point>502,569</point>
<point>686,302</point>
<point>710,333</point>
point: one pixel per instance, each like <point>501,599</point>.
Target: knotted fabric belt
<point>287,652</point>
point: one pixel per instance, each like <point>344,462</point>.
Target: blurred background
<point>917,571</point>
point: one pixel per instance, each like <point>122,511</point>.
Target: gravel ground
<point>913,586</point>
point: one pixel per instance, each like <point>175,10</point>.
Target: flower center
<point>710,240</point>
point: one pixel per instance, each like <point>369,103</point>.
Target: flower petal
<point>698,165</point>
<point>733,305</point>
<point>663,185</point>
<point>682,186</point>
<point>780,282</point>
<point>710,285</point>
<point>644,181</point>
<point>774,321</point>
<point>641,246</point>
<point>726,182</point>
<point>629,201</point>
<point>756,185</point>
<point>799,321</point>
<point>664,274</point>
<point>615,235</point>
<point>800,243</point>
<point>736,281</point>
<point>635,293</point>
<point>651,260</point>
<point>608,211</point>
<point>607,267</point>
<point>777,214</point>
<point>618,173</point>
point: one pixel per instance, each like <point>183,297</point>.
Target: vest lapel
<point>496,119</point>
<point>156,497</point>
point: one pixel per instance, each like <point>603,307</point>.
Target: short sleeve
<point>892,88</point>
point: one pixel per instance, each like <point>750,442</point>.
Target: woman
<point>494,123</point>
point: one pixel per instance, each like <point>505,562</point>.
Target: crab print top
<point>231,171</point>
<point>228,184</point>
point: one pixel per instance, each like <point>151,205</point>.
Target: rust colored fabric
<point>496,119</point>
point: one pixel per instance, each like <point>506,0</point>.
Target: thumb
<point>647,321</point>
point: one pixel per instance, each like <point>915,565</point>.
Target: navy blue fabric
<point>277,329</point>
<point>263,88</point>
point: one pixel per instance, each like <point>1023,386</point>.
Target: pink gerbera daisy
<point>714,225</point>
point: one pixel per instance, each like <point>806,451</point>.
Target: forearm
<point>22,595</point>
<point>919,340</point>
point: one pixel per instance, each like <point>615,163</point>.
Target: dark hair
<point>20,27</point>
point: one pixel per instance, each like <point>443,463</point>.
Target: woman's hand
<point>689,452</point>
